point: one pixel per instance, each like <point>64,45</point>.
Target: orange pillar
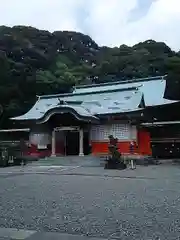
<point>144,142</point>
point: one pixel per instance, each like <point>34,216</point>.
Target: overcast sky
<point>108,22</point>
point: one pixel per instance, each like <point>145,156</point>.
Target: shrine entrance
<point>76,141</point>
<point>70,135</point>
<point>72,143</point>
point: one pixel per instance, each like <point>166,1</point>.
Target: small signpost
<point>133,166</point>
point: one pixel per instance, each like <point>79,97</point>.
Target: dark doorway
<point>87,149</point>
<point>72,143</point>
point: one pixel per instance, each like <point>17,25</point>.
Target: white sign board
<point>67,129</point>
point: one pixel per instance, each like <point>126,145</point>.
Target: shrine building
<point>80,122</point>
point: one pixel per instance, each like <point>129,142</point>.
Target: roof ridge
<point>121,82</point>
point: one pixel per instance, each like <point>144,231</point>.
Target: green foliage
<point>173,78</point>
<point>35,62</point>
<point>57,79</point>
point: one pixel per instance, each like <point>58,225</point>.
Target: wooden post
<point>81,142</point>
<point>53,148</point>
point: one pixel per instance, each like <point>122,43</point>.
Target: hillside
<point>35,62</point>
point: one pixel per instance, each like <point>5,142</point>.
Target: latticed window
<point>102,132</point>
<point>120,131</point>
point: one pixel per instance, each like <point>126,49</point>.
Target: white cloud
<point>44,14</point>
<point>106,21</point>
<point>161,23</point>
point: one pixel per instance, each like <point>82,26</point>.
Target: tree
<point>58,79</point>
<point>35,62</point>
<point>173,78</point>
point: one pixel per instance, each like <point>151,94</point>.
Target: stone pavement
<point>92,168</point>
<point>164,171</point>
<point>72,202</point>
<point>21,234</point>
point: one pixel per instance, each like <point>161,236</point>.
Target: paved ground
<point>88,202</point>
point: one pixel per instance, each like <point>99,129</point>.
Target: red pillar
<point>144,142</point>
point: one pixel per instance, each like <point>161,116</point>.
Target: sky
<point>108,22</point>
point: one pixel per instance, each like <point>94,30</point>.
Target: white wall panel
<point>119,130</point>
<point>40,136</point>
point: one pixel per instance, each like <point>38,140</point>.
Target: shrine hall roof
<point>153,88</point>
<point>91,101</point>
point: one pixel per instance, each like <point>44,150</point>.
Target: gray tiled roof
<point>103,99</point>
<point>115,102</point>
<point>152,88</point>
